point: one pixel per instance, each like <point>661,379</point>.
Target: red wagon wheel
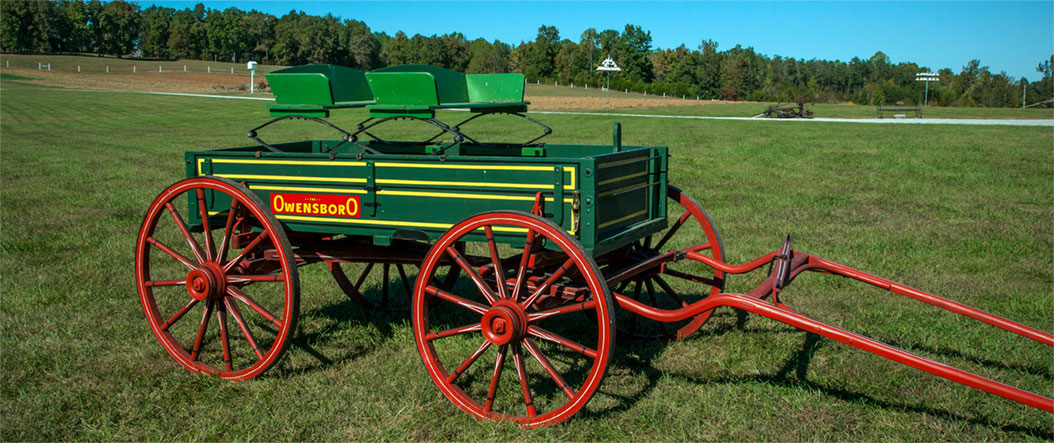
<point>677,284</point>
<point>247,280</point>
<point>531,323</point>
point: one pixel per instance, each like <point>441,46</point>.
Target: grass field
<point>965,212</point>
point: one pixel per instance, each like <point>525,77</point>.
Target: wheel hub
<point>504,323</point>
<point>208,281</point>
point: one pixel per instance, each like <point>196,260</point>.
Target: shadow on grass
<point>793,373</point>
<point>341,314</point>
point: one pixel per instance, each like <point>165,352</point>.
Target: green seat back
<point>449,85</point>
<point>318,85</point>
<point>495,88</point>
<point>417,89</point>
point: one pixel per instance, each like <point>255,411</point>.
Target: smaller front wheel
<point>526,314</point>
<point>218,285</point>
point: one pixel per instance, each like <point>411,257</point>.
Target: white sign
<point>608,65</point>
<point>250,65</point>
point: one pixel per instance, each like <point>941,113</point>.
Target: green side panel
<point>620,195</point>
<point>412,89</point>
<point>502,88</point>
<point>300,88</point>
<point>450,85</point>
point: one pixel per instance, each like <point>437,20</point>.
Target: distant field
<point>198,79</point>
<point>962,211</point>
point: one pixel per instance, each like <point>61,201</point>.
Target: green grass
<point>962,211</point>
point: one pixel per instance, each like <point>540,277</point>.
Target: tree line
<point>121,29</point>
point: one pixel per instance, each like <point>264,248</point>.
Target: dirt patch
<point>547,103</point>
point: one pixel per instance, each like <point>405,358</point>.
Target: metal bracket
<point>576,207</point>
<point>371,189</point>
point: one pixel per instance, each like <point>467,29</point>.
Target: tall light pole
<point>608,65</point>
<point>927,77</point>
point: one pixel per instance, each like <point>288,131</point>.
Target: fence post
<point>159,68</point>
<point>49,66</point>
<point>78,68</point>
<point>8,63</point>
<point>232,71</point>
<point>107,69</point>
<point>184,68</point>
<point>133,69</point>
<point>210,69</point>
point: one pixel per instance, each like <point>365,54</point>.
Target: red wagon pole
<point>793,263</point>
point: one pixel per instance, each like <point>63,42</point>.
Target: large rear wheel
<point>675,284</point>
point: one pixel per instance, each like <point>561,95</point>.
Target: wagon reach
<point>519,264</point>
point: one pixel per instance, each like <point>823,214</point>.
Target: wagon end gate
<point>787,264</point>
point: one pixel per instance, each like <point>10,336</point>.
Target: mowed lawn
<point>965,212</point>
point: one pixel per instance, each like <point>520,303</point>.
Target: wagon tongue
<point>787,264</point>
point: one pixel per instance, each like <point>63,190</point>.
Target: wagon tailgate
<point>629,189</point>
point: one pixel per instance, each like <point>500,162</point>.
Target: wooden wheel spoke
<point>362,277</point>
<point>241,278</point>
<point>248,248</point>
<point>244,298</point>
<point>493,390</point>
<point>221,318</point>
<point>538,355</point>
<point>228,231</point>
<point>210,248</point>
<point>179,314</point>
<point>167,250</point>
<point>467,304</point>
<point>455,331</point>
<point>548,282</point>
<point>499,273</point>
<point>473,275</point>
<point>521,272</point>
<point>669,290</point>
<point>528,401</point>
<point>160,283</point>
<point>468,362</point>
<point>633,317</point>
<point>237,314</point>
<point>194,246</point>
<point>555,338</point>
<point>655,303</point>
<point>406,281</point>
<point>673,230</point>
<point>201,331</point>
<point>567,309</point>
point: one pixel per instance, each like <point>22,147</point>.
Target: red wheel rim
<point>246,280</point>
<point>531,329</point>
<point>676,284</point>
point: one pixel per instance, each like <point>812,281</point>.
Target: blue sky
<point>1006,36</point>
